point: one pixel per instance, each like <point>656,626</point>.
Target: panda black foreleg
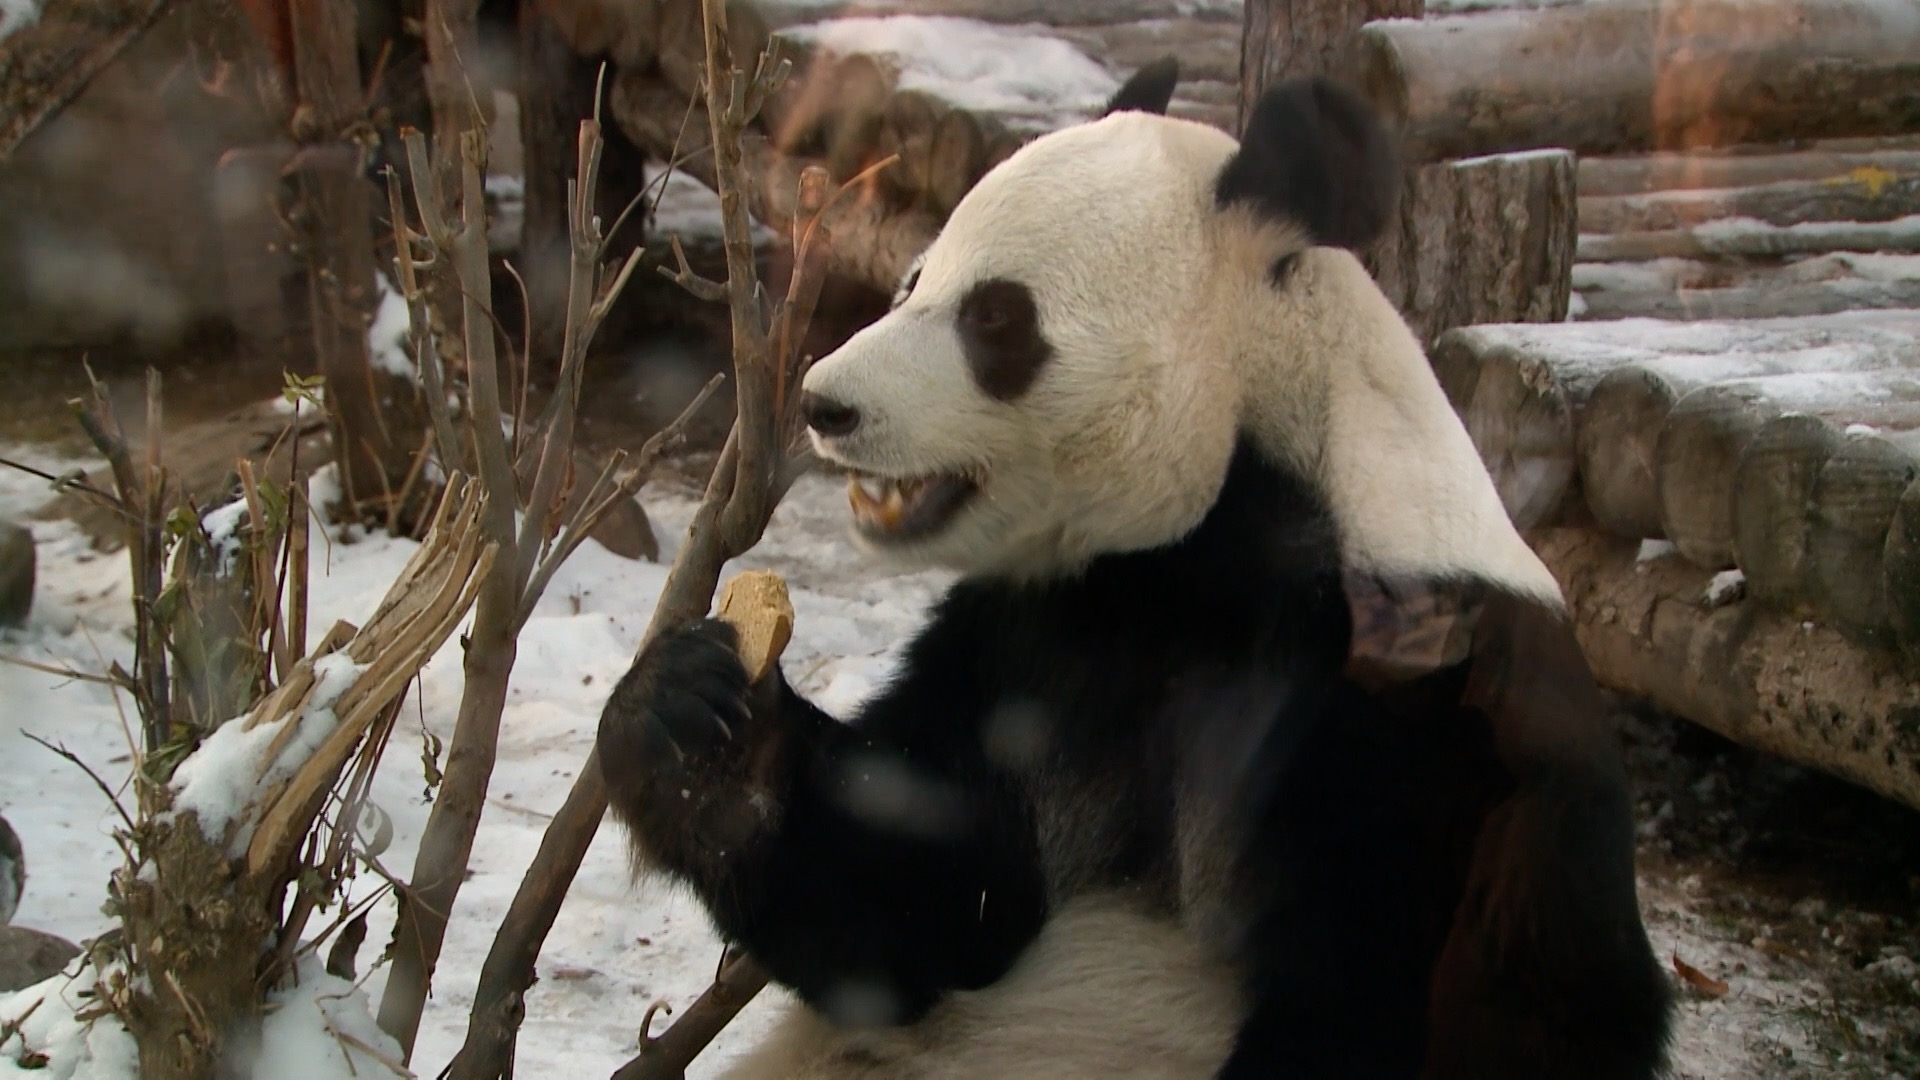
<point>867,872</point>
<point>1547,970</point>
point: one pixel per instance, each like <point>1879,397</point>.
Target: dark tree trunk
<point>556,93</point>
<point>372,447</point>
<point>1288,38</point>
<point>1517,272</point>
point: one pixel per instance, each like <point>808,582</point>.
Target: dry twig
<point>530,554</point>
<point>751,475</point>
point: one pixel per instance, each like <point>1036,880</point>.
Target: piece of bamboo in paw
<point>756,605</point>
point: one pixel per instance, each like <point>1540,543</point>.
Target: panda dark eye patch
<point>1000,331</point>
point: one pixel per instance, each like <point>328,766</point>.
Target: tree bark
<point>1772,489</point>
<point>1760,678</point>
<point>373,456</point>
<point>43,69</point>
<point>1284,39</point>
<point>1855,500</point>
<point>1644,75</point>
<point>1700,444</point>
<point>1521,405</point>
<point>1630,408</point>
<point>1868,194</point>
<point>556,93</point>
<point>1484,241</point>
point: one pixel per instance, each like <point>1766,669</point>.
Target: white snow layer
<point>387,334</point>
<point>17,15</point>
<point>1726,587</point>
<point>1016,71</point>
<point>320,1026</point>
<point>221,776</point>
<point>42,1019</point>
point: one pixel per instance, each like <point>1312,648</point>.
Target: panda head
<point>1060,376</point>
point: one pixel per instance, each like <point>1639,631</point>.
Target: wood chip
<point>755,604</point>
<point>1698,979</point>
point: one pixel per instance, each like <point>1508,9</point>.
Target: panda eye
<point>993,308</point>
<point>989,316</point>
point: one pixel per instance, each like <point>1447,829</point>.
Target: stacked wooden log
<point>1750,231</point>
<point>847,106</point>
<point>1768,465</point>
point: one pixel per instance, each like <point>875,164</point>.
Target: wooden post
<point>1458,253</point>
<point>338,238</point>
<point>1284,39</point>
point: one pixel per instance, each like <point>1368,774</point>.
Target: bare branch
<point>589,512</point>
<point>667,1056</point>
<point>426,355</point>
<point>702,288</point>
<point>105,788</point>
<point>76,481</point>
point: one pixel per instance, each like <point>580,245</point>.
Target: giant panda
<point>1251,739</point>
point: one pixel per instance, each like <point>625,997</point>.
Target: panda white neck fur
<point>1407,488</point>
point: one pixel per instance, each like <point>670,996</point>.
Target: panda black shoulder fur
<point>1252,741</point>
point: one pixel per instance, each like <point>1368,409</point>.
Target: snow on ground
<point>617,946</point>
<point>1016,72</point>
<point>388,333</point>
<point>318,1027</point>
<point>687,208</point>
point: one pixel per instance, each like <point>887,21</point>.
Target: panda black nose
<point>827,416</point>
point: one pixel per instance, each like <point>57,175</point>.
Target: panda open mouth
<point>897,508</point>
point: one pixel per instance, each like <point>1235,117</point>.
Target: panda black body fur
<point>1253,689</point>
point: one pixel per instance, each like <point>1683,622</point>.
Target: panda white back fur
<point>1253,740</point>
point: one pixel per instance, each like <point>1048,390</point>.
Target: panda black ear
<point>1149,89</point>
<point>1315,155</point>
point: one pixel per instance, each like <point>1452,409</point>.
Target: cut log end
<point>1902,557</point>
<point>1772,488</point>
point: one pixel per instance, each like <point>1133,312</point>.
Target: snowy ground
<point>1817,985</point>
<point>616,947</point>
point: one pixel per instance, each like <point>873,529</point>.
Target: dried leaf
<point>1698,979</point>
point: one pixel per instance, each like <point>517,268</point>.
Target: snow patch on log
<point>1726,587</point>
<point>219,779</point>
<point>1015,73</point>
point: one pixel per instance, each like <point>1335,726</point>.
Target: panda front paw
<point>684,707</point>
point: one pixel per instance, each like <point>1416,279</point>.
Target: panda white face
<point>1045,391</point>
